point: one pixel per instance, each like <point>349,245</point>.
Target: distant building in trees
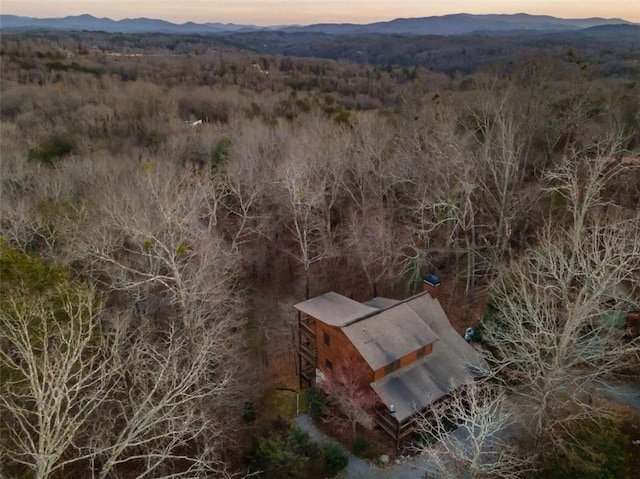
<point>411,354</point>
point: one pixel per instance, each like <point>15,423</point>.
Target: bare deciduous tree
<point>349,394</point>
<point>78,393</point>
<point>468,435</point>
<point>165,352</point>
<point>55,378</point>
<point>173,382</point>
<point>370,238</point>
<point>154,241</point>
<point>552,329</point>
<point>304,201</point>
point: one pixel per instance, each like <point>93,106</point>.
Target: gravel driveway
<point>624,393</point>
<point>358,468</point>
<point>416,467</point>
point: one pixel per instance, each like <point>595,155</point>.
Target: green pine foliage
<point>594,451</point>
<point>335,459</point>
<point>53,149</point>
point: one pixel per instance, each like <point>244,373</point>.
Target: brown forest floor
<point>277,275</point>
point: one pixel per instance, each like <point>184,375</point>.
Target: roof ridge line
<point>373,313</point>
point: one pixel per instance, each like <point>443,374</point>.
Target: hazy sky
<point>277,12</point>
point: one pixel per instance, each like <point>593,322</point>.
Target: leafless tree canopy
<point>470,435</point>
<point>351,401</point>
<point>553,325</point>
<point>159,210</point>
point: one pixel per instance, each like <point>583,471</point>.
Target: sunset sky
<point>278,12</point>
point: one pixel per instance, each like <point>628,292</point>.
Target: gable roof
<point>389,335</point>
<point>385,330</point>
<point>452,363</point>
<point>334,309</point>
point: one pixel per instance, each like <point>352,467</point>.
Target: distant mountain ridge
<point>454,24</point>
<point>127,25</point>
<point>461,24</point>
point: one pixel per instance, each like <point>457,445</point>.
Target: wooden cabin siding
<point>340,349</point>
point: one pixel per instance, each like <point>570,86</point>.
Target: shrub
<point>154,138</point>
<point>275,458</point>
<point>54,148</point>
<point>253,111</point>
<point>478,330</point>
<point>249,412</point>
<point>335,459</point>
<point>594,451</point>
<point>344,117</point>
<point>362,447</point>
<point>299,441</point>
<point>284,453</point>
<point>24,273</point>
<point>317,402</point>
<point>220,154</point>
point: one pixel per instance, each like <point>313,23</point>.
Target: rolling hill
<point>456,24</point>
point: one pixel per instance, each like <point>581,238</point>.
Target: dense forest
<point>607,52</point>
<point>166,199</point>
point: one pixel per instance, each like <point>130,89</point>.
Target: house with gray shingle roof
<point>411,354</point>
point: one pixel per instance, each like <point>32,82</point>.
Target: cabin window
<point>421,352</point>
<point>326,338</point>
<point>328,364</point>
<point>389,368</point>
